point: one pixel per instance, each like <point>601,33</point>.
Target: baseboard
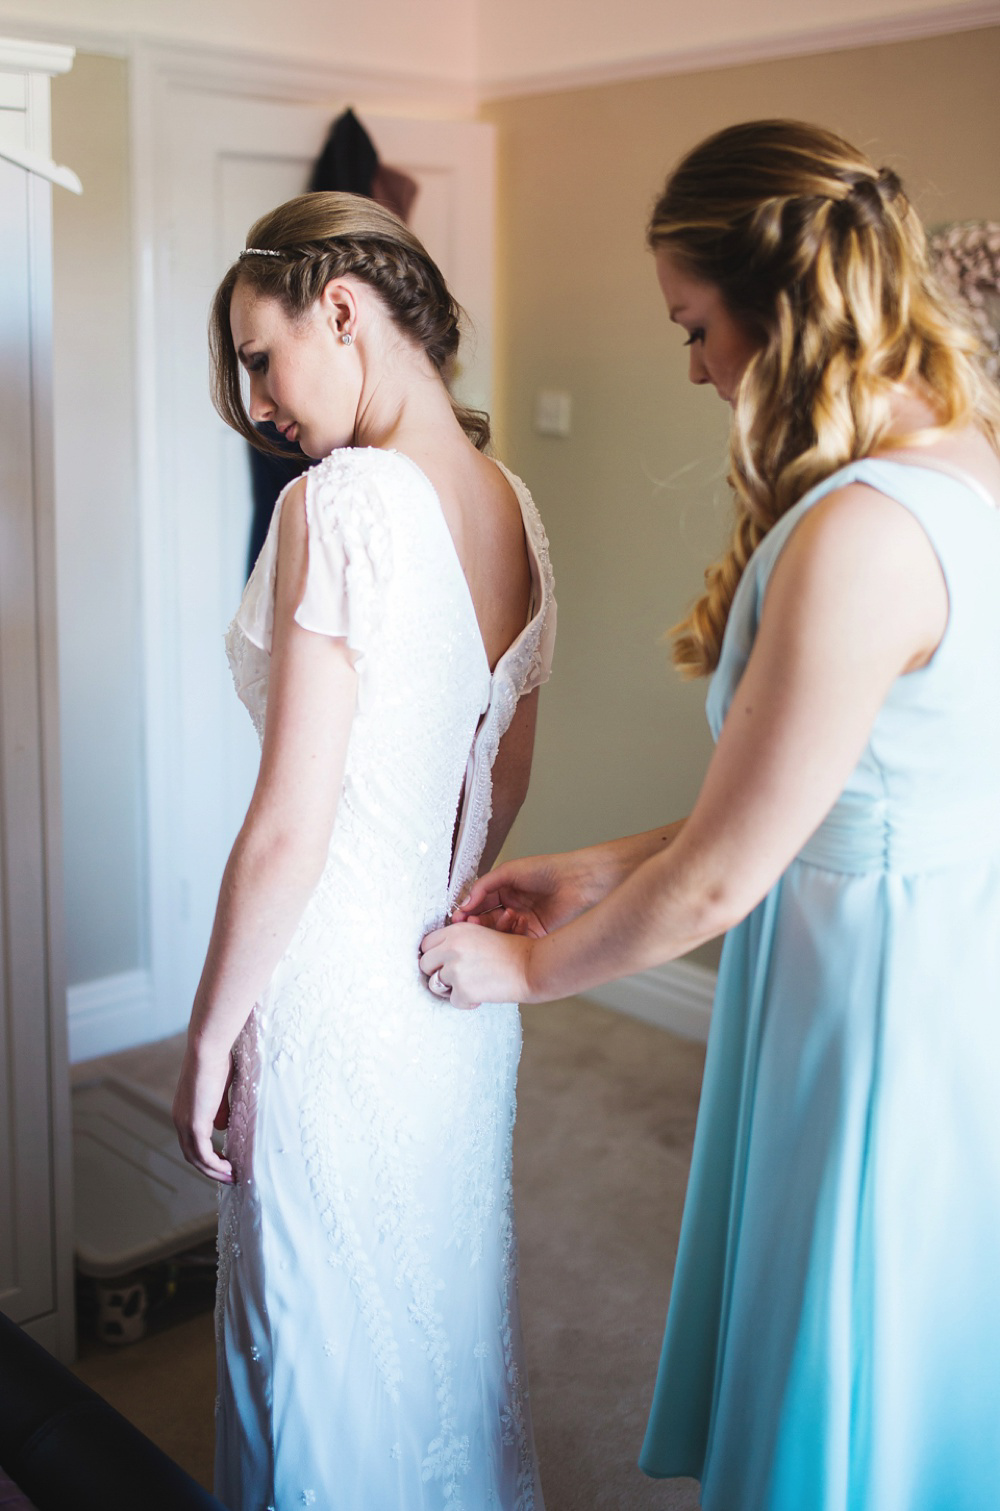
<point>115,1012</point>
<point>677,996</point>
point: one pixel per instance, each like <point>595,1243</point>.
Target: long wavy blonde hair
<point>821,257</point>
<point>295,250</point>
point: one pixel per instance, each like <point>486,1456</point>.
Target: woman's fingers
<point>475,965</point>
<point>484,894</point>
<point>201,1098</point>
<point>437,958</point>
<point>429,943</point>
<point>198,1150</point>
<point>476,905</point>
<point>493,918</point>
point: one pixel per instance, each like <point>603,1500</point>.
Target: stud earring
<point>346,338</point>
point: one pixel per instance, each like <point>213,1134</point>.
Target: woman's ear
<point>339,306</point>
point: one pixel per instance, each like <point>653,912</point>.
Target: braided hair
<point>823,260</point>
<point>292,255</point>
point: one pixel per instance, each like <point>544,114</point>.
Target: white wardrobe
<point>36,1274</point>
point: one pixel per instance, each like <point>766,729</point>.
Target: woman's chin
<point>317,448</point>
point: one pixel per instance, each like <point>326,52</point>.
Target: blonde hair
<point>823,260</point>
<point>292,255</point>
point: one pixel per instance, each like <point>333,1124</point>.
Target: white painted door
<point>35,1200</point>
<point>226,159</point>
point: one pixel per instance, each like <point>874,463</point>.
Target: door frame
<point>160,78</point>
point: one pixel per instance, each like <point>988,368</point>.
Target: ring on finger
<point>438,985</point>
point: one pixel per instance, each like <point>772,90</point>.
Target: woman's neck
<point>911,413</point>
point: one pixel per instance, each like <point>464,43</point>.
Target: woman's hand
<point>201,1102</point>
<point>478,965</point>
<point>534,896</point>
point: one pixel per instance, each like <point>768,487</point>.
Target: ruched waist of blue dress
<point>860,835</point>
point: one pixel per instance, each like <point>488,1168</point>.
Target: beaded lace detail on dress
<point>389,1114</point>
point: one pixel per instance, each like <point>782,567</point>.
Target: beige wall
<point>634,499</point>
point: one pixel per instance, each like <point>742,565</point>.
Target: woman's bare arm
<point>539,893</point>
<point>856,599</point>
<point>511,772</point>
<point>281,849</point>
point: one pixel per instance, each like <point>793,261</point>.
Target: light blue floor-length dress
<point>833,1339</point>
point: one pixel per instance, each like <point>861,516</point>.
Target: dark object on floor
<point>67,1448</point>
<point>138,1204</point>
<point>147,1301</point>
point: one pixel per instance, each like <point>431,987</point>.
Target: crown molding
<point>270,75</point>
<point>48,48</point>
<point>266,76</point>
<point>33,56</point>
<point>82,38</point>
<point>797,42</point>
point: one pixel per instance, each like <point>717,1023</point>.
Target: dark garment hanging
<point>268,475</point>
<point>348,164</point>
<point>348,161</point>
<point>395,190</point>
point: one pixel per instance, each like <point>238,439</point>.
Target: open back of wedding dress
<point>369,1339</point>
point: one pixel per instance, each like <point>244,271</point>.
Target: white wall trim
<point>277,77</point>
<point>162,80</point>
<point>272,75</point>
<point>677,996</point>
<point>115,1012</point>
<point>82,38</point>
<point>798,42</point>
<point>289,77</point>
<point>34,57</point>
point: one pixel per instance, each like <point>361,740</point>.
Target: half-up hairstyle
<point>293,254</point>
<point>821,257</point>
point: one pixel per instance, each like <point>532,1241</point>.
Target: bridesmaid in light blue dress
<point>834,1330</point>
<point>833,1338</point>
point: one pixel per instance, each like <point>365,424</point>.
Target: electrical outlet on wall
<point>552,412</point>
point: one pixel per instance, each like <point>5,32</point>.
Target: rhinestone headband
<point>258,252</point>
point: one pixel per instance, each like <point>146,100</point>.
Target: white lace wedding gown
<point>368,1332</point>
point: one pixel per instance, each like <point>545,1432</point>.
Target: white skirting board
<point>677,996</point>
<point>115,1012</point>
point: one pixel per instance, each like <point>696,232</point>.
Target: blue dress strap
<point>932,494</point>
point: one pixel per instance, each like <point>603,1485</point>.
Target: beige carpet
<point>607,1110</point>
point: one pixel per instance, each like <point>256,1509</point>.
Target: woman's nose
<point>260,407</point>
<point>697,371</point>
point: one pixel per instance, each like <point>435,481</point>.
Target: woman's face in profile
<point>299,378</point>
<point>719,343</point>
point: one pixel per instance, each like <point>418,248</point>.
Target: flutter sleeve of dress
<point>349,567</point>
<point>540,665</point>
<point>540,632</point>
<point>350,552</point>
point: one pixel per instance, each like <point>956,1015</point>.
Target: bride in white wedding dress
<point>388,647</point>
